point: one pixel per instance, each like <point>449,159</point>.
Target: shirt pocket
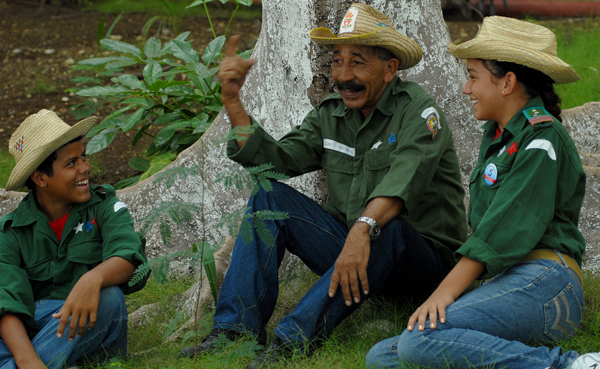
<point>340,170</point>
<point>88,252</point>
<point>41,271</point>
<point>377,164</point>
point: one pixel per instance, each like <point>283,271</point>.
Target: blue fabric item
<point>531,303</point>
<point>401,263</point>
<point>107,339</point>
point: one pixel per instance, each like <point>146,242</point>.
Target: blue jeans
<point>107,339</point>
<point>400,260</point>
<point>494,326</point>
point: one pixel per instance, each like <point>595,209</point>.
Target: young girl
<point>526,194</point>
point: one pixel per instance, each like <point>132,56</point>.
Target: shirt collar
<point>28,212</point>
<point>516,124</point>
<point>386,103</point>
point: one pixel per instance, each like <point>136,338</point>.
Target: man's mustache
<point>350,85</point>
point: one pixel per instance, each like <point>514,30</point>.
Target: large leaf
<point>197,3</point>
<point>101,140</point>
<point>243,2</point>
<point>152,48</point>
<point>184,51</point>
<point>108,122</point>
<point>151,72</point>
<point>101,61</point>
<point>166,118</point>
<point>120,46</point>
<point>167,132</point>
<point>139,164</point>
<point>133,119</point>
<point>130,81</point>
<point>102,91</point>
<point>158,163</point>
<point>118,112</point>
<point>124,62</point>
<point>179,91</point>
<point>213,50</point>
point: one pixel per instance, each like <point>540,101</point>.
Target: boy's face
<point>69,183</point>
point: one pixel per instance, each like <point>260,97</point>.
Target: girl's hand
<point>432,308</point>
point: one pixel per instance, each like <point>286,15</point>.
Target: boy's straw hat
<point>36,138</point>
<point>516,41</point>
<point>363,25</point>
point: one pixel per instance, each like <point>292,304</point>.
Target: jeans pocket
<point>562,314</point>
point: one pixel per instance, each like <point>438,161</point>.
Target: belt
<point>553,255</point>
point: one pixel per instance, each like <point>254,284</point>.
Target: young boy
<point>66,253</point>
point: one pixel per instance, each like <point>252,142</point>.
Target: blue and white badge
<point>490,175</point>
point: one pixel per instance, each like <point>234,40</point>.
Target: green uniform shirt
<point>526,192</point>
<point>35,266</point>
<point>404,149</point>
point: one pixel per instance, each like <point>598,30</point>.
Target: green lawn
<point>578,45</point>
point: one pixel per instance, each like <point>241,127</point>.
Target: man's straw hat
<point>36,138</point>
<point>516,41</point>
<point>363,25</point>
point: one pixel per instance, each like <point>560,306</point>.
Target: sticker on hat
<point>349,21</point>
<point>490,174</point>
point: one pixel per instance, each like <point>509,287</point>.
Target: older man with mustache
<point>395,210</point>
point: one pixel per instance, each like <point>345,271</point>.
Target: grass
<point>376,320</point>
<point>577,41</point>
<point>7,163</point>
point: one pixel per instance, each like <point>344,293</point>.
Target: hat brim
<point>407,51</point>
<point>27,165</point>
<point>550,65</point>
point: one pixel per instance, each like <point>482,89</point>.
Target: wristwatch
<point>374,229</point>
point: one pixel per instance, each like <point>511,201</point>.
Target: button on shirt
<point>526,193</point>
<point>403,149</point>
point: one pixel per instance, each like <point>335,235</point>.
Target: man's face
<point>69,183</point>
<point>360,76</point>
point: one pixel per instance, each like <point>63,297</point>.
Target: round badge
<point>490,175</point>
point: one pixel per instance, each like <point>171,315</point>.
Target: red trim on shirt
<point>498,133</point>
<point>58,226</point>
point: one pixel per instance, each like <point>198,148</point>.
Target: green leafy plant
<point>173,101</point>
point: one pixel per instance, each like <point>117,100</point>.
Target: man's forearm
<point>239,118</point>
<point>112,272</point>
<point>15,338</point>
<point>383,209</point>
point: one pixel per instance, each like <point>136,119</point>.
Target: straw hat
<point>37,138</point>
<point>363,25</point>
<point>516,41</point>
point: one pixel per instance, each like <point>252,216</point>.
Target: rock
<point>69,61</point>
<point>64,98</point>
<point>49,51</point>
<point>116,37</point>
<point>16,51</point>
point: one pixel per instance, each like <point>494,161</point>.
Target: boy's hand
<point>81,305</point>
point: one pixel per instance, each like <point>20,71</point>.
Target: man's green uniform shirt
<point>532,199</point>
<point>404,149</point>
<point>35,266</point>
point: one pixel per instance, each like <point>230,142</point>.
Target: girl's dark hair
<point>536,83</point>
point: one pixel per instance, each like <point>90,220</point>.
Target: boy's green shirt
<point>35,266</point>
<point>395,152</point>
<point>532,199</point>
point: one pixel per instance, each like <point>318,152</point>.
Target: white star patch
<point>377,144</point>
<point>78,228</point>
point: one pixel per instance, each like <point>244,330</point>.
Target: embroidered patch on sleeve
<point>543,144</point>
<point>537,115</point>
<point>339,147</point>
<point>432,119</point>
<point>120,205</point>
<point>349,21</point>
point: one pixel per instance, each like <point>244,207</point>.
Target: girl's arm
<point>455,283</point>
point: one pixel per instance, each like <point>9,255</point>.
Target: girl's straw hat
<point>516,41</point>
<point>363,25</point>
<point>37,138</point>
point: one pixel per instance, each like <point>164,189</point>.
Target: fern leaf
<point>263,232</point>
<point>246,229</point>
<point>140,273</point>
<point>270,215</point>
<point>172,174</point>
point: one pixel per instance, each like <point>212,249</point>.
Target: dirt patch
<point>40,43</point>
